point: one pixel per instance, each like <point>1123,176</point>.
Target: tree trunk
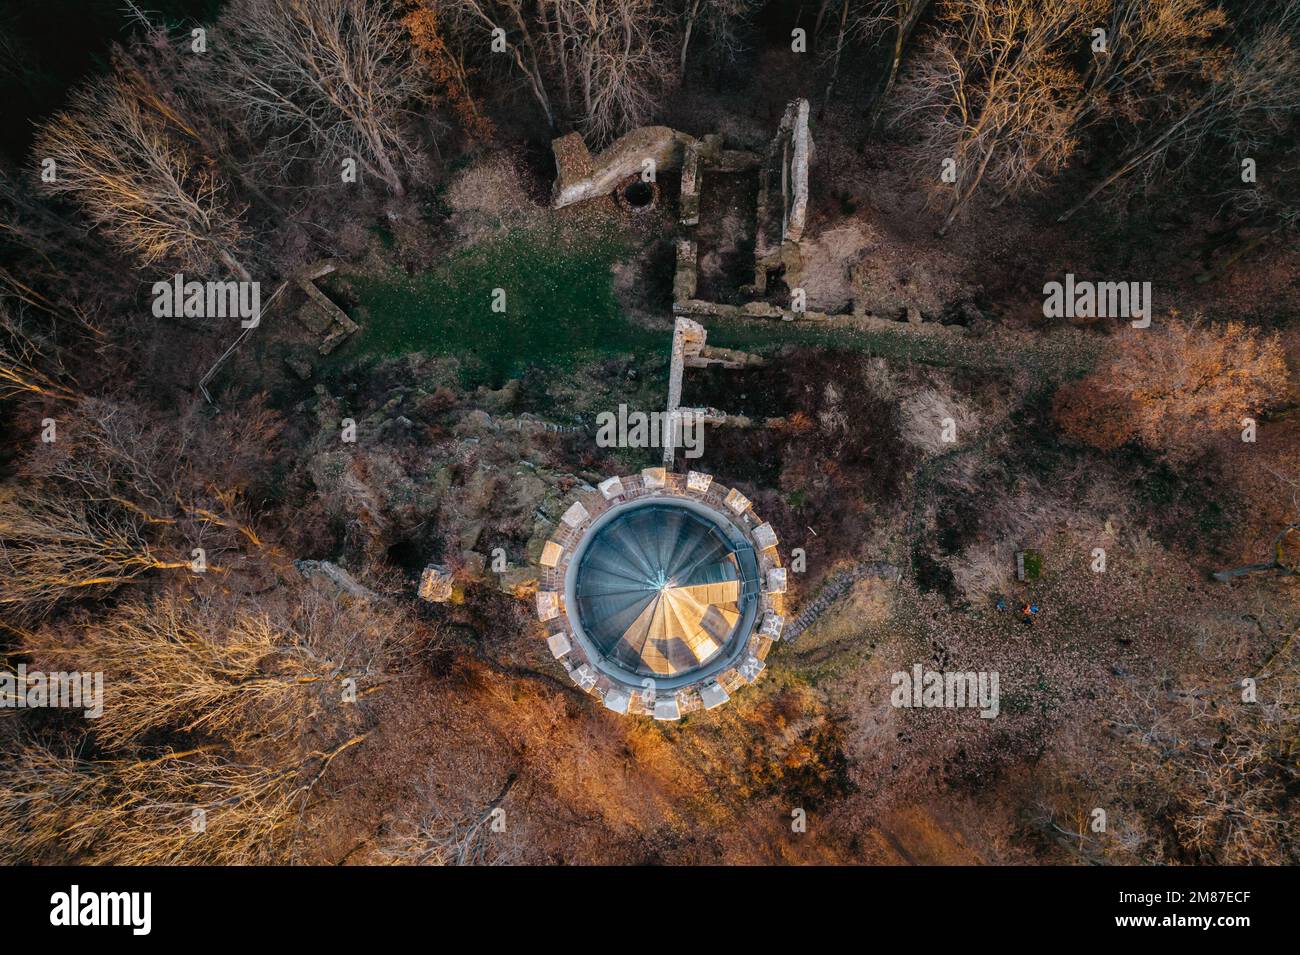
<point>686,43</point>
<point>1248,569</point>
<point>388,170</point>
<point>234,265</point>
<point>963,196</point>
<point>821,15</point>
<point>532,72</point>
<point>839,50</point>
<point>903,33</point>
<point>1137,159</point>
<point>1240,252</point>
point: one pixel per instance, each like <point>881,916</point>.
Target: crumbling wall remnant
<point>783,198</point>
<point>580,175</point>
<point>796,153</point>
<point>689,200</point>
<point>320,315</point>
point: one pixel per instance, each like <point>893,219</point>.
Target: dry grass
<point>488,198</point>
<point>927,412</point>
<point>986,569</point>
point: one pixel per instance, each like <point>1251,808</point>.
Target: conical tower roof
<point>658,590</point>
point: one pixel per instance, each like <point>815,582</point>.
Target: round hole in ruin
<point>638,194</point>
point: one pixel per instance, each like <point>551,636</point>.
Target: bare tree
<point>841,39</point>
<point>52,549</point>
<point>1149,48</point>
<point>992,95</point>
<point>61,263</point>
<point>608,58</point>
<point>445,66</point>
<point>158,65</point>
<point>150,191</point>
<point>866,23</point>
<point>899,19</point>
<point>247,676</point>
<point>28,367</point>
<point>330,77</point>
<point>616,59</point>
<point>479,21</point>
<point>1249,97</point>
<point>120,496</point>
<point>189,806</point>
<point>441,837</point>
<point>1175,387</point>
<point>716,21</point>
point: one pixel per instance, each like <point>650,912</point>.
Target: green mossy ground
<point>560,308</point>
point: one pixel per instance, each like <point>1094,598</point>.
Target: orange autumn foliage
<point>445,70</point>
<point>1174,387</point>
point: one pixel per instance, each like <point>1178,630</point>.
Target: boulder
<point>518,581</point>
<point>333,577</point>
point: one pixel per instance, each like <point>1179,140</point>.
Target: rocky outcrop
<point>334,577</point>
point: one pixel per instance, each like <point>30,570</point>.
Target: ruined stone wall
<point>796,145</point>
<point>580,175</point>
